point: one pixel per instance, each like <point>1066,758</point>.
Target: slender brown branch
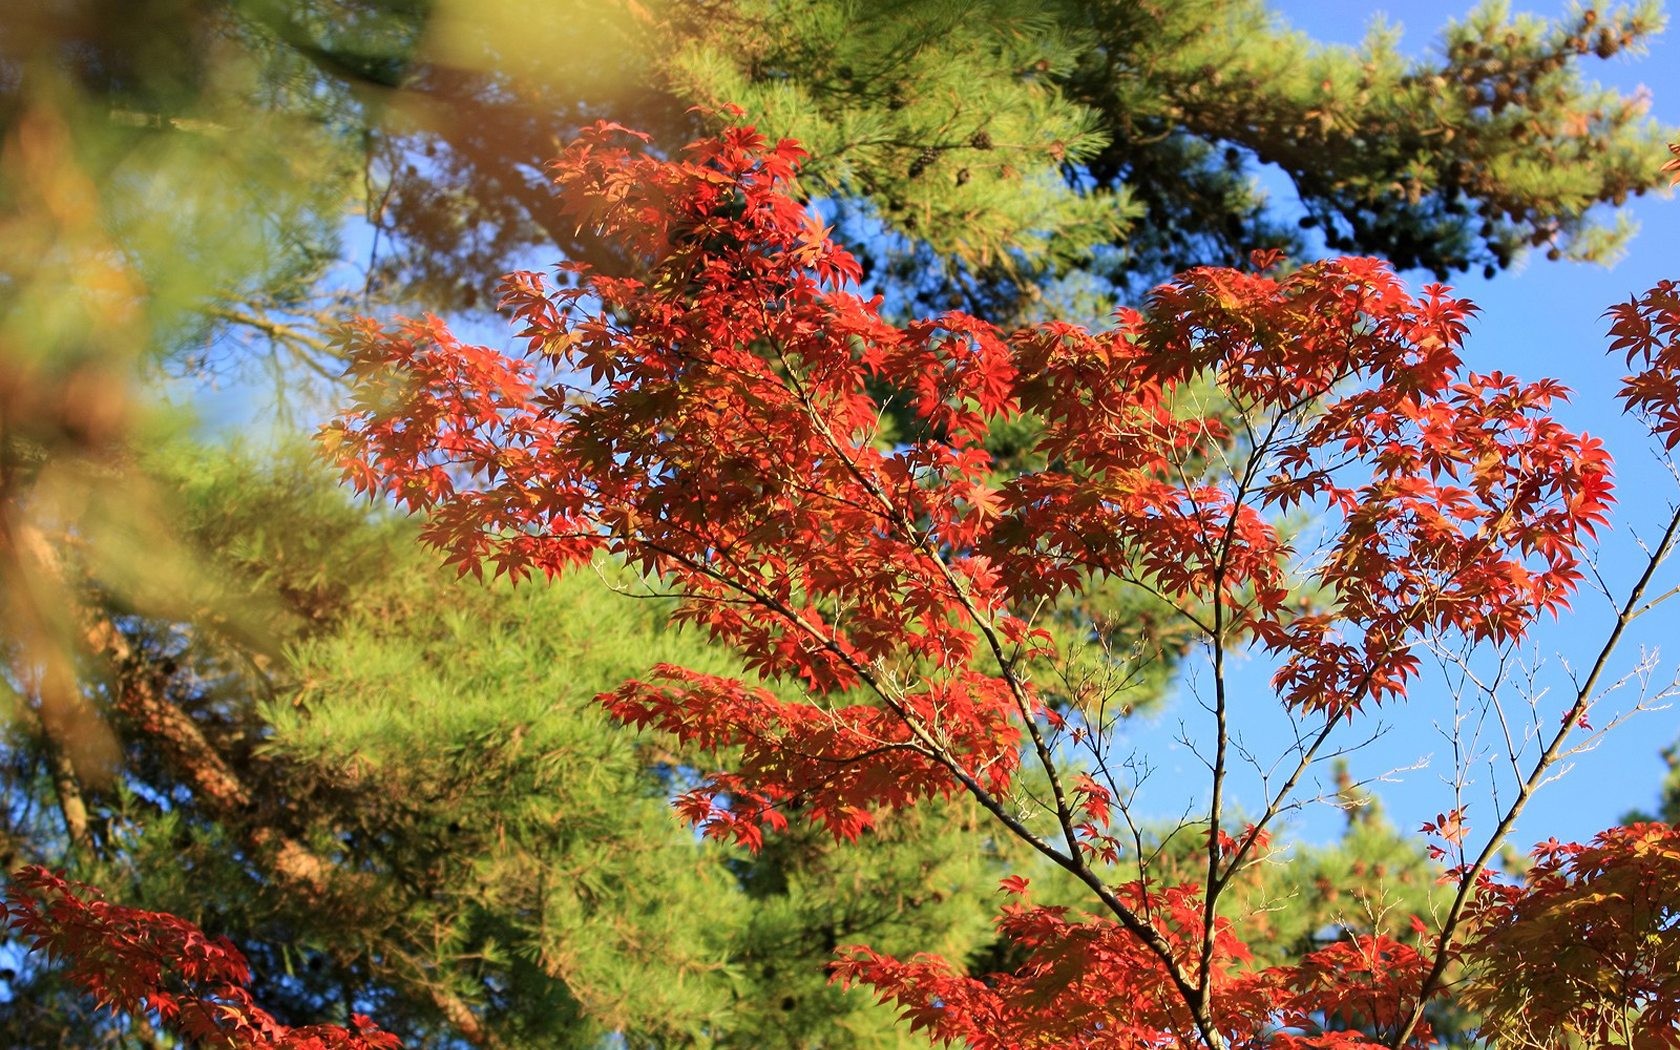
<point>1469,878</point>
<point>1072,861</point>
<point>1222,743</point>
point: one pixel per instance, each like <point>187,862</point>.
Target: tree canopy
<point>235,699</point>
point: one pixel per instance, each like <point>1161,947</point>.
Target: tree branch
<point>1469,878</point>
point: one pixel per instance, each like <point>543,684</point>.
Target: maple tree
<point>712,426</point>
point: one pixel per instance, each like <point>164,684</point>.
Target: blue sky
<point>1543,319</point>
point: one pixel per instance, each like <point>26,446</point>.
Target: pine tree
<point>394,789</point>
<point>1125,146</point>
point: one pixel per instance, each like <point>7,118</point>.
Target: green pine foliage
<point>487,841</point>
<point>987,158</point>
<point>196,142</point>
<point>947,118</point>
<point>1497,142</point>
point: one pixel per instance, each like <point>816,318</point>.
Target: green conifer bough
<point>1003,147</point>
<point>394,789</point>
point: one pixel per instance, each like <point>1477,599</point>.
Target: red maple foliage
<point>1647,329</point>
<point>1585,944</point>
<point>718,424</point>
<point>148,963</point>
